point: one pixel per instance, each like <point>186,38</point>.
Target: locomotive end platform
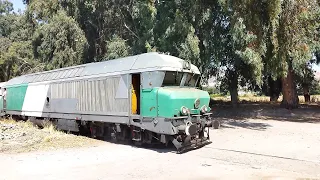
<point>192,145</point>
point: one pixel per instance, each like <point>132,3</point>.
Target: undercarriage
<point>190,135</point>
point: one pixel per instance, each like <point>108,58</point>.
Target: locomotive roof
<point>138,63</point>
<point>2,84</point>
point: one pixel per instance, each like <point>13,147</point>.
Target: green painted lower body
<point>149,107</point>
<point>166,102</point>
<point>15,97</point>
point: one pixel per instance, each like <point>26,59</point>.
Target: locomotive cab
<point>173,98</point>
<point>171,94</point>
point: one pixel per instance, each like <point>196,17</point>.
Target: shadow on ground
<point>159,148</point>
<point>244,124</point>
<point>304,114</point>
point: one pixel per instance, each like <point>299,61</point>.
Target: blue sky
<point>18,4</point>
<point>316,67</point>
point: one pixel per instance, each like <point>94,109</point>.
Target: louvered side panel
<point>91,95</point>
<point>104,96</point>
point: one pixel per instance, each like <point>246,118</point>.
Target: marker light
<point>184,110</point>
<point>204,109</point>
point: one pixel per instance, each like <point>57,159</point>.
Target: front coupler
<point>185,142</point>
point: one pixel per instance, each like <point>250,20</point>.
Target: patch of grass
<point>8,121</point>
<point>20,136</point>
<point>215,95</point>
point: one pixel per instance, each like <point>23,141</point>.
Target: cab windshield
<point>172,78</point>
<point>191,80</point>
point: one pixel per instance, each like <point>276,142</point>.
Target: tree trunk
<point>234,96</point>
<point>233,88</point>
<point>274,98</point>
<point>274,89</point>
<point>8,74</point>
<point>289,92</point>
<point>306,92</point>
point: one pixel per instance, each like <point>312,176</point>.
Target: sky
<point>18,4</point>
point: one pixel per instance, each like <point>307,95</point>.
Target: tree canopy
<point>250,43</point>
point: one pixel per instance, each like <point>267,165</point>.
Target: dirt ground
<point>305,113</point>
<point>240,149</point>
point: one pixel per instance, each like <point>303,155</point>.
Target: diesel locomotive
<point>147,98</point>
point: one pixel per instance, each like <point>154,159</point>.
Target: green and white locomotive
<point>146,98</point>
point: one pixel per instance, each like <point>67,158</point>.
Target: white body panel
<point>35,100</point>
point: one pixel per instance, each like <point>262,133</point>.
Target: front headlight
<point>184,111</point>
<point>204,109</point>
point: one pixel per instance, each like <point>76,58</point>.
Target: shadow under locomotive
<point>153,146</point>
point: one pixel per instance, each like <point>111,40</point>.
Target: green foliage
<point>144,17</point>
<point>189,50</point>
<point>287,27</point>
<point>7,18</point>
<point>6,7</point>
<point>212,91</point>
<point>23,28</point>
<point>20,58</point>
<point>15,57</point>
<point>60,42</point>
<point>315,88</point>
<point>43,10</point>
<point>241,42</point>
<point>117,48</point>
<point>172,28</point>
<point>285,34</point>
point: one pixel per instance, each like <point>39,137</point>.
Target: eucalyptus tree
<point>60,42</point>
<point>228,45</point>
<point>16,56</point>
<point>117,48</point>
<point>200,31</point>
<point>57,40</point>
<point>288,32</point>
<point>6,19</point>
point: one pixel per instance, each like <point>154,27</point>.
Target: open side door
<point>135,101</point>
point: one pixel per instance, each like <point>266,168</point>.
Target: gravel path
<point>252,149</point>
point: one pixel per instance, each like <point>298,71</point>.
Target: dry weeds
<point>17,137</point>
